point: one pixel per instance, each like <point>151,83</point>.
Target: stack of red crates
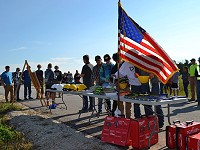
<point>130,132</point>
<point>179,135</point>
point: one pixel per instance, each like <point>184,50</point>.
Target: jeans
<point>85,103</point>
<point>27,86</point>
<point>160,116</point>
<point>114,107</point>
<point>198,91</point>
<point>155,91</point>
<point>136,89</point>
<point>100,102</point>
<point>15,88</point>
<point>185,86</point>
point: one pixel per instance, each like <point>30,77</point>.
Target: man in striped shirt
<point>96,76</point>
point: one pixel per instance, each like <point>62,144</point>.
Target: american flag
<point>139,48</point>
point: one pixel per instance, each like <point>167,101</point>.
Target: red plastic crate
<point>116,131</point>
<point>183,131</point>
<point>194,142</point>
<point>141,130</point>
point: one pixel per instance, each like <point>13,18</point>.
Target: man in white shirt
<point>129,70</point>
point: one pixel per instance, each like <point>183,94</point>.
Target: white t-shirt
<point>128,70</point>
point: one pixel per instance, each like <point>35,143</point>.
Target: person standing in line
<point>127,69</point>
<point>40,77</point>
<point>105,74</point>
<point>7,82</point>
<point>197,74</point>
<point>192,78</point>
<point>16,78</point>
<point>185,78</point>
<point>116,104</point>
<point>64,78</point>
<point>175,83</point>
<point>27,84</point>
<point>96,76</point>
<point>58,75</point>
<point>69,77</point>
<point>77,77</point>
<point>87,76</point>
<point>58,79</point>
<point>155,91</point>
<point>49,81</point>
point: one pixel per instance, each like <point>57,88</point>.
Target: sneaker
<point>18,100</point>
<point>25,98</point>
<point>191,99</point>
<point>99,113</point>
<point>90,110</point>
<point>83,111</point>
<point>30,98</point>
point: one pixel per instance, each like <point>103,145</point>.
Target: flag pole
<point>118,59</point>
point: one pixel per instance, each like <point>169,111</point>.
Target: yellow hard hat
<point>73,87</point>
<point>143,79</point>
<point>81,87</point>
<point>66,86</point>
<point>123,85</point>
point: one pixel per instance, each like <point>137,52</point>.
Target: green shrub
<point>6,133</point>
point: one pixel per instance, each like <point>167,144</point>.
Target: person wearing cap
<point>192,78</point>
<point>16,78</point>
<point>96,76</point>
<point>39,74</point>
<point>6,77</point>
<point>105,74</point>
<point>87,75</point>
<point>116,104</point>
<point>197,74</point>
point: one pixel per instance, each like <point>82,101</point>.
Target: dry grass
<point>9,138</point>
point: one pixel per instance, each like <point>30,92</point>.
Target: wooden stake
<point>34,80</point>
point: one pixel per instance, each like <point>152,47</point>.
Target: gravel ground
<point>48,134</point>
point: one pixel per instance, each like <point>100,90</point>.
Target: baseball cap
<point>106,57</point>
<point>97,57</point>
<point>193,59</point>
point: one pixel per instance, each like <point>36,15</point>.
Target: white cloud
<point>40,42</point>
<point>18,49</point>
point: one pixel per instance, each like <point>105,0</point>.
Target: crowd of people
<point>12,82</point>
<point>103,73</point>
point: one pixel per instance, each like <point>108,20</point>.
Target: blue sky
<point>62,31</point>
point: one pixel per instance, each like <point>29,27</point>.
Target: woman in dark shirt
<point>185,78</point>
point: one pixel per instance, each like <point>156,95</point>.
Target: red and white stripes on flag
<point>146,57</point>
<point>142,51</point>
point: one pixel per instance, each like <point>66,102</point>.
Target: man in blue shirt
<point>105,75</point>
<point>27,84</point>
<point>7,83</point>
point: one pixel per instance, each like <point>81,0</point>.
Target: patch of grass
<point>9,138</point>
<point>7,107</point>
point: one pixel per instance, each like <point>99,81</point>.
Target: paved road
<point>182,112</point>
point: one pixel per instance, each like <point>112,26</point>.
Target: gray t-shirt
<point>175,77</point>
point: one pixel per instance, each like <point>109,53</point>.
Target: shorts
<point>48,86</point>
<point>174,86</point>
